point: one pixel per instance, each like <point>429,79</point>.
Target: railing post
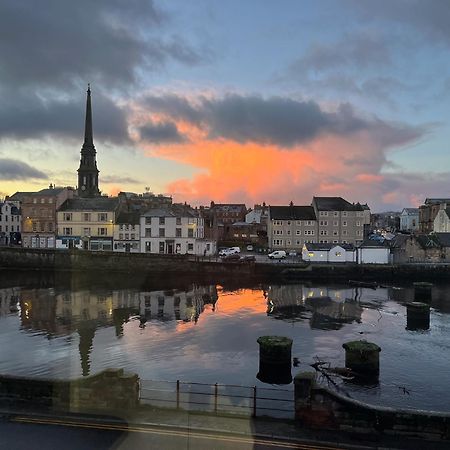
<point>215,398</point>
<point>178,394</point>
<point>254,401</point>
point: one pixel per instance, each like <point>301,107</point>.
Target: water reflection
<point>325,308</point>
<point>9,299</point>
<point>61,314</point>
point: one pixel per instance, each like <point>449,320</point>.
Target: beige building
<point>339,221</point>
<point>87,223</point>
<point>289,227</point>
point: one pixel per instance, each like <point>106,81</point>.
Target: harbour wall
<point>210,267</point>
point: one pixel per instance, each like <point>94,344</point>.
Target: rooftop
<point>292,212</point>
<point>90,204</point>
<point>337,204</point>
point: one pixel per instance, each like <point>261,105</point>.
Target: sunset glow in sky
<point>230,101</point>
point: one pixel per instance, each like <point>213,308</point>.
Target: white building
<point>126,233</point>
<point>373,252</point>
<point>175,229</point>
<point>442,220</point>
<point>10,222</point>
<point>409,219</point>
<point>328,253</point>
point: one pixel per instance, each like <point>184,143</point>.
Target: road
<point>26,433</point>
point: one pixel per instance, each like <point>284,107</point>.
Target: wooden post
<point>178,394</point>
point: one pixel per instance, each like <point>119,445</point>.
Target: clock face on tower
<point>83,188</point>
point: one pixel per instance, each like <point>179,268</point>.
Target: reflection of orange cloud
<point>244,301</point>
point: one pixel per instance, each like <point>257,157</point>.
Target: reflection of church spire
<point>120,316</point>
<point>86,331</point>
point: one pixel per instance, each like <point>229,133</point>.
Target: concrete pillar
<point>423,292</point>
<point>275,359</point>
<point>303,388</point>
<point>417,316</point>
<point>363,358</point>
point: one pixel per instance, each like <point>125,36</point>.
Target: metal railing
<point>218,398</point>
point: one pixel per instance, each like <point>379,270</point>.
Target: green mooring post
<point>422,292</point>
<point>417,316</point>
<point>275,353</point>
<point>363,358</point>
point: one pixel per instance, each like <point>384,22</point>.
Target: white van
<point>277,254</point>
<point>234,250</point>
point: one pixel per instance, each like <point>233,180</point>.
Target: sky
<point>248,102</point>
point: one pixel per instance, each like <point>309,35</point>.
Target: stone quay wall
<point>148,264</point>
<point>108,391</point>
<point>321,408</point>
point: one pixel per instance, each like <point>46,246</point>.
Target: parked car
<point>224,252</point>
<point>231,257</point>
<point>235,250</point>
<point>277,254</point>
<point>248,258</point>
<point>249,248</point>
<point>229,251</point>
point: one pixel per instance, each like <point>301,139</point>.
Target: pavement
<point>253,429</point>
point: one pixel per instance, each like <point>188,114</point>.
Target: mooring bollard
<point>363,358</point>
<point>275,359</point>
<point>417,316</point>
<point>423,292</point>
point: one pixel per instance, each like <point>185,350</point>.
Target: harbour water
<point>207,332</point>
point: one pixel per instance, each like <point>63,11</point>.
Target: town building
<point>87,223</point>
<point>220,217</point>
<point>409,219</point>
<point>328,253</point>
<point>126,232</point>
<point>289,227</point>
<point>428,212</point>
<point>39,219</point>
<point>178,229</point>
<point>339,221</point>
<point>441,223</point>
<point>373,252</point>
<point>385,221</point>
<point>10,223</point>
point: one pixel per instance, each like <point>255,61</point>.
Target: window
<point>288,242</point>
<point>278,242</point>
<point>335,213</point>
<point>190,247</point>
<point>102,217</point>
<point>42,200</point>
<point>358,224</point>
<point>148,247</point>
<point>344,223</point>
<point>148,221</point>
<point>358,233</point>
<point>49,227</point>
<point>162,220</point>
<point>323,223</point>
<point>148,232</point>
<point>288,222</point>
<point>278,232</point>
<point>102,231</point>
<point>288,232</point>
<point>127,236</point>
<point>323,232</point>
<point>162,232</point>
<point>298,242</point>
<point>335,242</point>
<point>335,233</point>
<point>299,223</point>
<point>121,236</point>
<point>335,223</point>
<point>178,220</point>
<point>178,232</point>
<point>86,217</point>
<point>67,217</point>
<point>278,222</point>
<point>309,232</point>
<point>132,236</point>
<point>67,231</point>
<point>190,232</point>
<point>161,247</point>
<point>298,232</point>
<point>309,223</point>
<point>344,213</point>
<point>344,233</point>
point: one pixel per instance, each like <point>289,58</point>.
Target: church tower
<point>88,172</point>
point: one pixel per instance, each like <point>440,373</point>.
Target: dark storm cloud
<point>160,133</point>
<point>277,120</point>
<point>31,116</point>
<point>113,179</point>
<point>58,42</point>
<point>11,169</point>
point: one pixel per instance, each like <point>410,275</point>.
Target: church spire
<point>88,172</point>
<point>88,138</point>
